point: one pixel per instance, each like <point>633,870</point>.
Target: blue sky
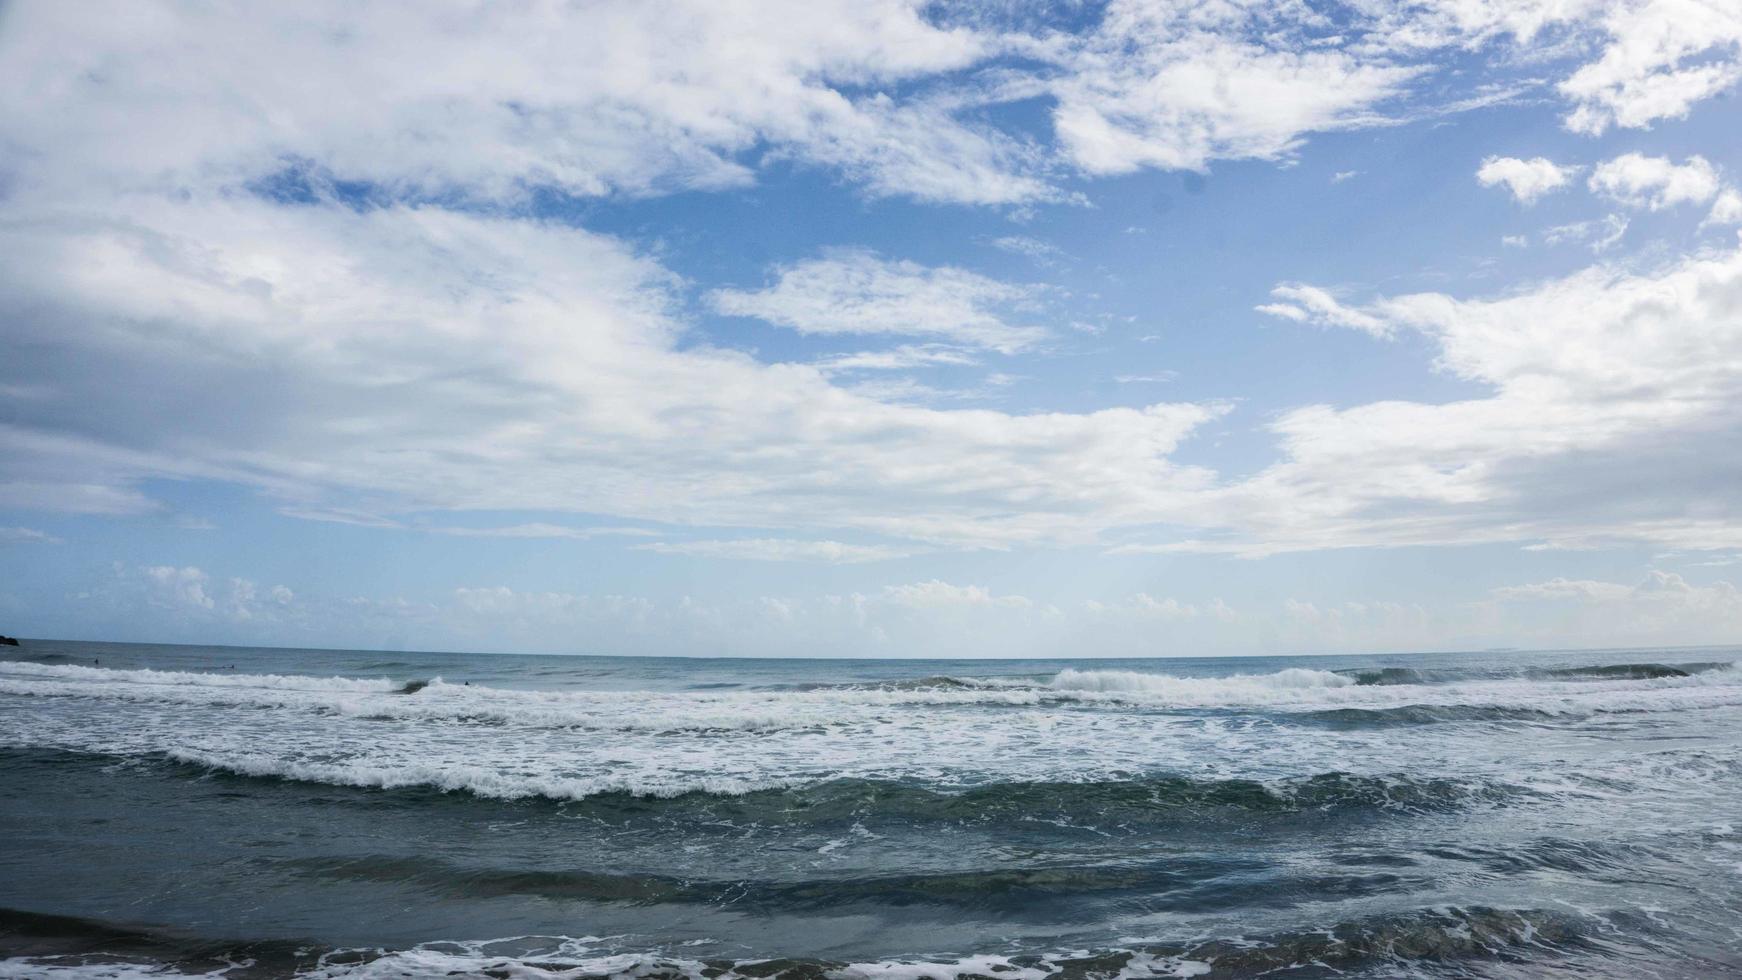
<point>873,329</point>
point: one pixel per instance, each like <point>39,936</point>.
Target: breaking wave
<point>1111,819</point>
<point>1383,945</point>
<point>786,800</point>
<point>198,679</point>
<point>1231,690</point>
<point>1375,697</point>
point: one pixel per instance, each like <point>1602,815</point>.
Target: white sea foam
<point>1300,689</point>
<point>61,968</point>
<point>1289,690</point>
<point>575,958</point>
<point>1198,690</point>
<point>198,679</point>
<point>1140,965</point>
<point>1079,725</point>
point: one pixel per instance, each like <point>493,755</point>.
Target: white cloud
<point>1662,56</point>
<point>1322,627</point>
<point>1526,179</point>
<point>1310,304</point>
<point>885,94</point>
<point>533,530</point>
<point>501,601</point>
<point>936,594</point>
<point>1174,87</point>
<point>1657,58</point>
<point>548,377</point>
<point>362,363</point>
<point>903,358</point>
<point>927,618</point>
<point>71,498</point>
<point>945,619</point>
<point>857,292</point>
<point>1655,182</point>
<point>1663,607</point>
<point>367,363</point>
<point>543,530</point>
<point>931,618</point>
<point>1561,588</point>
<point>778,549</point>
<point>617,99</point>
<point>1432,24</point>
<point>1609,399</point>
<point>1143,606</point>
<point>1599,235</point>
<point>1034,248</point>
<point>26,535</point>
<point>180,586</point>
<point>188,595</point>
<point>1727,209</point>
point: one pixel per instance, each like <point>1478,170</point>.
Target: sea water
<point>217,811</point>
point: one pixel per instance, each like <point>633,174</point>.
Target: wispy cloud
<point>26,535</point>
<point>538,530</point>
<point>858,292</point>
<point>778,549</point>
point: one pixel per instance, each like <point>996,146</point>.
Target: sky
<point>873,327</point>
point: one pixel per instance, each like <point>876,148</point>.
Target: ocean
<point>172,811</point>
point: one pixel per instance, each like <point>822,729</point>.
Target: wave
<point>1185,884</point>
<point>1425,714</point>
<point>1387,676</point>
<point>436,700</point>
<point>1328,697</point>
<point>1197,689</point>
<point>935,682</point>
<point>1647,671</point>
<point>47,658</point>
<point>1192,885</point>
<point>1129,801</point>
<point>1394,676</point>
<point>199,679</point>
<point>472,780</point>
<point>1396,944</point>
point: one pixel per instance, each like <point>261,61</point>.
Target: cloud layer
<point>1615,399</point>
<point>928,617</point>
<point>321,272</point>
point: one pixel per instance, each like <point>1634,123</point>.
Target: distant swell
<point>1391,676</point>
<point>1634,672</point>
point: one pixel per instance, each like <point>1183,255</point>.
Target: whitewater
<point>184,811</point>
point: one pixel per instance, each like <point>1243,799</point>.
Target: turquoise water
<point>170,811</point>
